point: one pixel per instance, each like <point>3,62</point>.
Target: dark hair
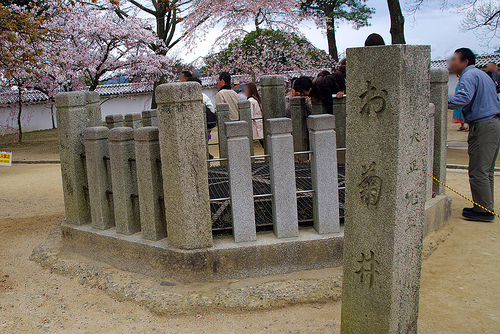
<point>374,40</point>
<point>252,89</point>
<point>342,65</point>
<point>226,77</point>
<point>323,73</point>
<point>466,54</point>
<point>187,74</point>
<point>302,84</point>
<point>195,79</point>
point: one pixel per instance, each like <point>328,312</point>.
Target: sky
<point>432,26</point>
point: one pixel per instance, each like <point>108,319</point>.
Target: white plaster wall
<point>34,117</point>
<point>37,116</point>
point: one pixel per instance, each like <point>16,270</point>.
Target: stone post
<point>124,180</point>
<point>324,174</point>
<point>184,165</point>
<point>222,118</point>
<point>99,177</point>
<point>282,170</point>
<point>387,119</point>
<point>439,97</point>
<point>245,111</point>
<point>430,152</point>
<point>240,182</point>
<point>299,124</point>
<point>72,119</point>
<point>150,183</point>
<point>94,107</point>
<point>149,118</point>
<point>114,121</point>
<point>340,113</point>
<point>317,108</point>
<point>133,120</point>
<point>272,92</point>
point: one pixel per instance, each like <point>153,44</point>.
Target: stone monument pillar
<point>430,153</point>
<point>324,174</point>
<point>272,92</point>
<point>114,121</point>
<point>99,177</point>
<point>282,170</point>
<point>439,97</point>
<point>133,120</point>
<point>299,123</point>
<point>240,182</point>
<point>149,118</point>
<point>73,117</point>
<point>124,180</point>
<point>94,107</point>
<point>150,184</point>
<point>182,135</point>
<point>388,107</point>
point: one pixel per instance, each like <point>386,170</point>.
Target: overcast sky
<point>433,26</point>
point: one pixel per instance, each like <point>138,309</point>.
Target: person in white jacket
<point>256,106</point>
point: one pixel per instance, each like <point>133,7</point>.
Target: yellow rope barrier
<point>459,194</point>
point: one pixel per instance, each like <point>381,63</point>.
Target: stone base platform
<point>226,260</point>
<point>437,213</point>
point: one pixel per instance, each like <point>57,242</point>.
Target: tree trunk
<point>330,34</point>
<point>397,22</point>
<point>332,44</point>
<point>20,102</point>
<point>160,81</point>
<point>52,114</point>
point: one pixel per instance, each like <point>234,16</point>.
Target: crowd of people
<point>476,103</point>
<point>322,89</point>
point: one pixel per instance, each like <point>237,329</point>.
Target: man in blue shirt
<point>478,99</point>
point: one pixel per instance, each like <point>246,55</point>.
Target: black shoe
<point>478,216</point>
<point>468,209</point>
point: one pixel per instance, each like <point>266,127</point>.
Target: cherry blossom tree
<point>268,52</point>
<point>86,43</point>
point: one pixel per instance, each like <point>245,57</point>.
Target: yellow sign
<point>5,158</point>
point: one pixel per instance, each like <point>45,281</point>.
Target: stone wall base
<point>226,260</point>
<point>437,213</point>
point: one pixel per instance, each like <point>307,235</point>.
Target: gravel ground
<point>459,293</point>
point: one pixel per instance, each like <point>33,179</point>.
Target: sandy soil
<point>459,294</point>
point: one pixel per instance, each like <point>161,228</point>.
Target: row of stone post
<point>282,170</point>
<point>118,197</point>
<point>132,120</point>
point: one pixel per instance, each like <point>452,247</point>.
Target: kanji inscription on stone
<point>368,268</point>
<point>370,185</point>
<point>374,100</point>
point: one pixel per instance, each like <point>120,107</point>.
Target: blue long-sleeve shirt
<point>476,96</point>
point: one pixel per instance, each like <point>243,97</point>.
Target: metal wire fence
<point>220,203</point>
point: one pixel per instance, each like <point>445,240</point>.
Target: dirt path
<point>460,280</point>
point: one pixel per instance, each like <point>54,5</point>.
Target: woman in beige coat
<point>256,106</point>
